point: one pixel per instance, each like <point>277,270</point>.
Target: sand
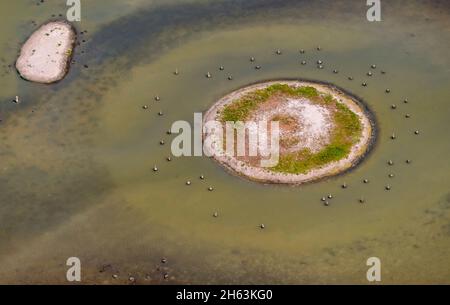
<point>45,56</point>
<point>315,121</point>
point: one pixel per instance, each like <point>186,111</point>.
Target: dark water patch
<point>140,35</point>
<point>33,200</point>
<point>130,34</point>
<point>439,214</point>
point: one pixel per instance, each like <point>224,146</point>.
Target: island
<point>323,131</point>
<point>45,56</point>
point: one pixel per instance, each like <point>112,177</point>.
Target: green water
<point>76,158</point>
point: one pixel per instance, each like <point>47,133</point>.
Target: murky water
<point>76,158</point>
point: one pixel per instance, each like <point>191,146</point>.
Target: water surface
<point>76,158</point>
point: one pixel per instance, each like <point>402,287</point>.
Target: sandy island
<point>45,56</point>
<point>310,130</point>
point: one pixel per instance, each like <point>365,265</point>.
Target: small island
<point>45,56</point>
<point>323,131</point>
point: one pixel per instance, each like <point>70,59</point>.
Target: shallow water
<point>77,157</point>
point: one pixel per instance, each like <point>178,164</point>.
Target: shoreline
<point>262,175</point>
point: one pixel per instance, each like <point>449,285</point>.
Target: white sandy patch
<point>44,58</point>
<point>314,120</point>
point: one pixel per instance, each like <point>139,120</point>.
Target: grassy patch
<point>303,161</point>
<point>328,99</point>
<point>240,109</point>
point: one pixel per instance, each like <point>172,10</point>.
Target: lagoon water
<point>76,158</point>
